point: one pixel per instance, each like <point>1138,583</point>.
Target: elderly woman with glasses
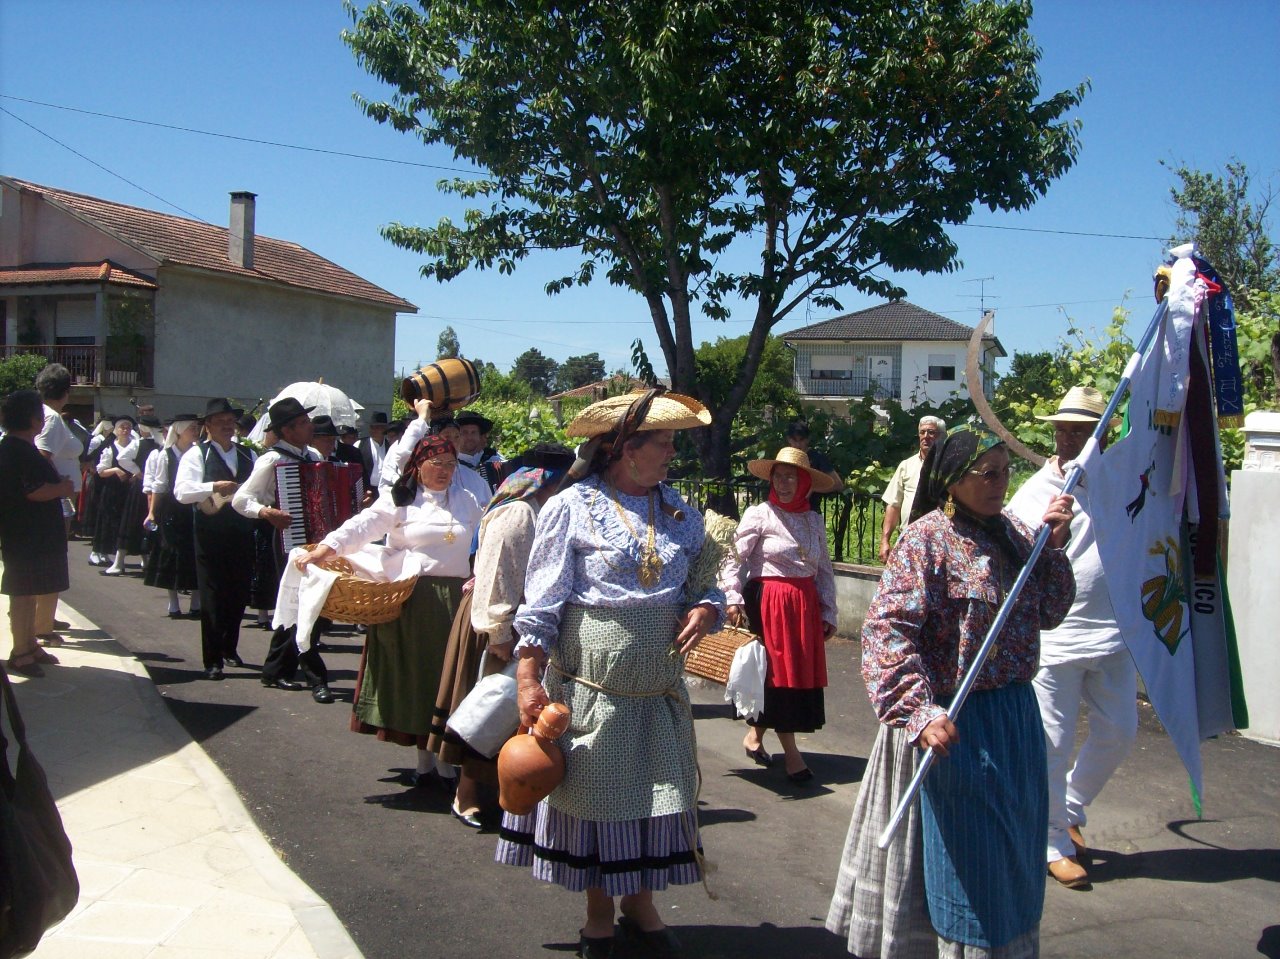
<point>400,671</point>
<point>967,864</point>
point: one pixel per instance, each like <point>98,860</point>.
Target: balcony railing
<point>92,365</point>
<point>853,387</point>
<point>853,520</point>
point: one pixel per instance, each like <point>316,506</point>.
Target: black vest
<point>216,471</point>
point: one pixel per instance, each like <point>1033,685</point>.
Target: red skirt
<point>791,619</point>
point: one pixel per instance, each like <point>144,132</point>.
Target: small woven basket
<point>712,657</point>
<point>359,601</point>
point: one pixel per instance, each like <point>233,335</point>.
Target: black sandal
<point>660,943</point>
<point>599,947</point>
<point>758,756</point>
<point>26,665</point>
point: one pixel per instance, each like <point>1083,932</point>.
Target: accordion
<point>319,496</point>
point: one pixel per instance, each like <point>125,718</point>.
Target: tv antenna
<point>981,297</point>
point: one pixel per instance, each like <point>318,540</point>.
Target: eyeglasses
<point>991,476</point>
<point>442,464</point>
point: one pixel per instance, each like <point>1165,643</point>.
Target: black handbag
<point>38,884</point>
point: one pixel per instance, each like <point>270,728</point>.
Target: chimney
<point>240,235</point>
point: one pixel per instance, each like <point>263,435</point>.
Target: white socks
<point>173,602</point>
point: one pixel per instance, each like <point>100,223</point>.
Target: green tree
<point>579,371</point>
<point>823,142</point>
<point>19,372</point>
<point>718,364</point>
<point>447,345</point>
<point>1229,222</point>
<point>537,370</point>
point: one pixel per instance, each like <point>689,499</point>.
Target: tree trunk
<point>1275,368</point>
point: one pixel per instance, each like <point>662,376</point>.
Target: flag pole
<point>1074,473</point>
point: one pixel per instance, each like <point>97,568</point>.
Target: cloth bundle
<point>745,688</point>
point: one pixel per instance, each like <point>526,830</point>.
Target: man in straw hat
<point>259,498</point>
<point>618,585</point>
<point>901,490</point>
<point>209,473</point>
<point>1083,658</point>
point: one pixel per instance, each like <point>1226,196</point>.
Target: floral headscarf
<point>406,487</point>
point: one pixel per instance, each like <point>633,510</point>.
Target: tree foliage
<point>447,345</point>
<point>19,372</point>
<point>822,142</point>
<point>537,370</point>
<point>579,371</point>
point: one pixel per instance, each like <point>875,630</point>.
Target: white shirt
<point>1090,627</point>
<point>108,459</point>
<point>151,470</point>
<point>56,439</point>
<point>901,491</point>
<point>258,492</point>
<point>436,525</point>
<point>190,486</point>
<point>398,455</point>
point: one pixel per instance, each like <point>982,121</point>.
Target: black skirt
<point>132,513</point>
<point>36,572</point>
<point>792,710</point>
<point>171,564</point>
<point>109,511</point>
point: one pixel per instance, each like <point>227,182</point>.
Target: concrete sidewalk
<point>170,862</point>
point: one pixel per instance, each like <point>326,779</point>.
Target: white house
<point>896,350</point>
<point>171,311</point>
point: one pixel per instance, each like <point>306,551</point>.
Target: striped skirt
<point>622,858</point>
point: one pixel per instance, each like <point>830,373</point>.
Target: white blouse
<point>506,539</point>
<point>437,525</point>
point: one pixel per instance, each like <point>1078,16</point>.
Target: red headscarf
<point>800,502</point>
<point>403,491</point>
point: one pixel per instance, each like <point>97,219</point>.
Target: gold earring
<point>635,473</point>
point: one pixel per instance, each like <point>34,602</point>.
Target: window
<point>942,367</point>
<point>831,368</point>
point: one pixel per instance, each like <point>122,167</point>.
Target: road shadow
<point>204,720</point>
<point>712,816</point>
<point>733,942</point>
<point>1269,942</point>
<point>1206,865</point>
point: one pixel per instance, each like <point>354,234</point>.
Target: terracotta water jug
<point>529,767</point>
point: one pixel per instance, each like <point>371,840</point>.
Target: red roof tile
<point>41,274</point>
<point>175,240</point>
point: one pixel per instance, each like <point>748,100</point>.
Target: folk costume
<point>608,580</point>
<point>782,553</point>
<point>223,541</point>
<point>403,660</point>
<point>979,831</point>
<point>113,492</point>
<point>171,565</point>
<point>286,654</point>
<point>488,462</point>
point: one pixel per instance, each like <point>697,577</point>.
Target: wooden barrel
<point>448,384</point>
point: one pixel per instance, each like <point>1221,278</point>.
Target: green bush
<point>19,372</point>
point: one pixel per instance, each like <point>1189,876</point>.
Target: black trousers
<point>224,576</point>
<point>283,659</point>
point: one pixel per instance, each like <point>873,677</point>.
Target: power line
<point>1032,229</point>
<point>241,139</point>
<point>101,167</point>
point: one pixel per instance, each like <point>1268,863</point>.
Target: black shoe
<point>288,684</point>
<point>660,943</point>
<point>61,624</point>
<point>176,614</point>
<point>321,694</point>
<point>599,948</point>
<point>233,660</point>
<point>214,673</point>
<point>801,776</point>
<point>758,756</point>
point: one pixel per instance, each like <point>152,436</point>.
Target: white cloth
<point>745,688</point>
<point>437,525</point>
<point>1109,685</point>
<point>302,594</point>
<point>109,460</point>
<point>63,449</point>
<point>258,492</point>
<point>151,470</point>
<point>1090,628</point>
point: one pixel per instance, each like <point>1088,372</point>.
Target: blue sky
<point>1175,81</point>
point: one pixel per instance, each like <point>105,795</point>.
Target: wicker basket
<point>712,657</point>
<point>359,601</point>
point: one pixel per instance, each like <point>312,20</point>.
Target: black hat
<point>123,416</point>
<point>441,424</point>
<point>467,418</point>
<point>548,456</point>
<point>182,418</point>
<point>285,411</point>
<point>378,419</point>
<point>324,425</point>
<point>348,431</point>
<point>150,421</point>
<point>396,426</point>
<point>247,422</point>
<point>220,405</point>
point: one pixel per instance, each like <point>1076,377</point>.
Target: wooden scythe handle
<point>980,399</point>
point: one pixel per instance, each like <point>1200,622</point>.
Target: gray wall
<point>855,587</point>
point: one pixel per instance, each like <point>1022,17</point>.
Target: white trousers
<point>1109,686</point>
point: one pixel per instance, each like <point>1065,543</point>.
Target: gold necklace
<point>800,547</point>
<point>649,569</point>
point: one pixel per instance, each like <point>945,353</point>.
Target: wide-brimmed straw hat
<point>667,411</point>
<point>1082,404</point>
<point>790,456</point>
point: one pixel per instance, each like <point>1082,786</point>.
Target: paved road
<point>406,878</point>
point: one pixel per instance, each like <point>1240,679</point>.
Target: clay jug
<point>530,766</point>
<point>450,383</point>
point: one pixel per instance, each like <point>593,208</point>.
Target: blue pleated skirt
<point>984,816</point>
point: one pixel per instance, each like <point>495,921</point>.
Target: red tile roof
<point>897,320</point>
<point>175,240</point>
<point>41,274</point>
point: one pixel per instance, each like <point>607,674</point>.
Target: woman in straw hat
<point>967,864</point>
<point>783,563</point>
<point>618,586</point>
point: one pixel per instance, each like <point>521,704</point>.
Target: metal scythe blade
<point>980,400</point>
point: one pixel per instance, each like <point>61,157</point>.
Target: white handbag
<point>489,714</point>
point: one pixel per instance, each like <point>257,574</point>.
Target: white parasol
<point>327,400</point>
